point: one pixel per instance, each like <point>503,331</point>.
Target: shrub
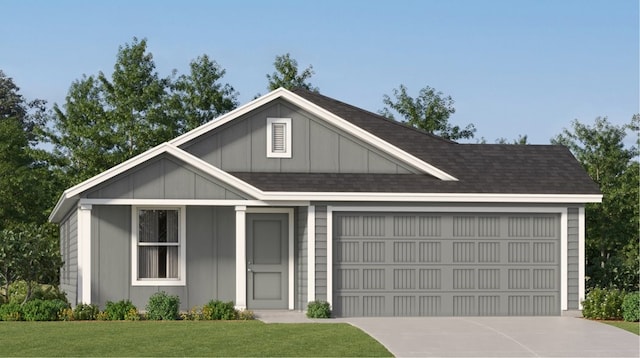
<point>631,307</point>
<point>18,292</point>
<point>66,315</point>
<point>318,309</point>
<point>194,314</point>
<point>85,312</point>
<point>246,315</point>
<point>132,315</point>
<point>41,310</point>
<point>11,311</point>
<point>603,304</point>
<point>218,310</point>
<point>102,316</point>
<point>162,306</point>
<point>117,311</point>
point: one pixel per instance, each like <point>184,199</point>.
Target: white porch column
<point>84,253</point>
<point>241,258</point>
<point>564,239</point>
<point>311,253</point>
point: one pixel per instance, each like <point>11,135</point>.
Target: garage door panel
<point>446,265</point>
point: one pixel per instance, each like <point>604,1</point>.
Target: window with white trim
<point>158,246</point>
<point>278,137</point>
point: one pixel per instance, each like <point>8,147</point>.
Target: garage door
<point>409,264</point>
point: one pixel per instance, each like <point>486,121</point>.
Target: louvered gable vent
<point>279,137</point>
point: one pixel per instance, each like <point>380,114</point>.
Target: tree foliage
<point>27,187</point>
<point>287,76</point>
<point>107,120</point>
<point>29,252</point>
<point>429,111</point>
<point>612,226</point>
<point>199,97</point>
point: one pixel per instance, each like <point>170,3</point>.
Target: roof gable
<point>323,114</point>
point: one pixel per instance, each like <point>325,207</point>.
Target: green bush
<point>162,306</point>
<point>246,315</point>
<point>18,291</point>
<point>85,312</point>
<point>118,311</point>
<point>318,309</point>
<point>43,310</point>
<point>603,303</point>
<point>11,311</point>
<point>631,307</point>
<point>218,310</point>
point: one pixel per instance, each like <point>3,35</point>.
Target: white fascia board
<point>431,197</point>
<point>368,137</point>
<point>229,116</point>
<point>323,114</point>
<point>142,158</point>
<point>214,171</point>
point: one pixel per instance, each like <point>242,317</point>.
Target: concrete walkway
<point>485,336</point>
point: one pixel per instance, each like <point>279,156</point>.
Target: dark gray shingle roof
<point>480,168</point>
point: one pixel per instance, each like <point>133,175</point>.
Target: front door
<point>267,261</point>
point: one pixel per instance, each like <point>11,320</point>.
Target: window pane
<point>148,262</point>
<point>158,225</point>
<point>158,262</point>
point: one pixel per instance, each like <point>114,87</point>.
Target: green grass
<point>186,338</point>
<point>633,327</point>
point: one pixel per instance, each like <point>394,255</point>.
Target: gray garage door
<point>409,264</point>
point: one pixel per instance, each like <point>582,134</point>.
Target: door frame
<point>290,249</point>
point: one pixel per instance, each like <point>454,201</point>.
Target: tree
<point>430,111</point>
<point>31,253</point>
<point>612,226</point>
<point>106,121</point>
<point>26,185</point>
<point>199,97</point>
<point>522,140</point>
<point>287,75</point>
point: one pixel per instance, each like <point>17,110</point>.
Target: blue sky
<point>512,67</point>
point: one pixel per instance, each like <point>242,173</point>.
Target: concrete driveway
<point>499,337</point>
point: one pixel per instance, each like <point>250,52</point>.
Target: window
<point>278,137</point>
<point>158,255</point>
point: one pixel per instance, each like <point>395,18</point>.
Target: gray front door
<point>267,261</point>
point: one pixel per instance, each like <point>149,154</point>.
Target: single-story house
<point>296,197</point>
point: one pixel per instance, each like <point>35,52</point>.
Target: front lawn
<point>633,327</point>
<point>185,338</point>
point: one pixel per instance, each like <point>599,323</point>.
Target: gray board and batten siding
<point>210,245</point>
<point>317,146</point>
<point>165,177</point>
<point>69,253</point>
<point>430,264</point>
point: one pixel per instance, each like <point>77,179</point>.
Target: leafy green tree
<point>287,76</point>
<point>199,97</point>
<point>522,140</point>
<point>106,121</point>
<point>612,226</point>
<point>429,111</point>
<point>27,186</point>
<point>29,252</point>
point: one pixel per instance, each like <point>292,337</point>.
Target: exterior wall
<point>321,253</point>
<point>165,178</point>
<point>210,245</point>
<point>301,264</point>
<point>69,253</point>
<point>316,146</point>
<point>572,259</point>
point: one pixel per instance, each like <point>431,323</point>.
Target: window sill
<point>168,282</point>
